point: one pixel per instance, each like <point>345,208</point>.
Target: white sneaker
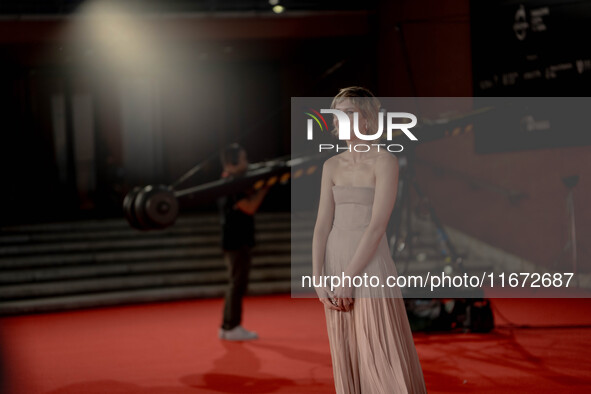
<point>237,333</point>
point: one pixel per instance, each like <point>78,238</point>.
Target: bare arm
<point>386,172</point>
<point>324,220</point>
<point>251,204</point>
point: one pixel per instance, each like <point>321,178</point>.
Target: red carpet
<point>173,348</point>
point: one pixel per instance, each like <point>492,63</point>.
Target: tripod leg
<point>572,233</point>
<point>408,238</point>
<point>394,230</point>
<point>403,207</point>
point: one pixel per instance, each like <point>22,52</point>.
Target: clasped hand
<point>340,299</point>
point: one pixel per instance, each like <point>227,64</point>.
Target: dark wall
<point>212,82</point>
<point>438,55</point>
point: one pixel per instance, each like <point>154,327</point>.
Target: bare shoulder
<point>329,166</point>
<point>331,162</point>
<point>386,168</point>
<point>386,161</point>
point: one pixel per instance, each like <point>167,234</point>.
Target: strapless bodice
<point>353,206</point>
<point>352,214</point>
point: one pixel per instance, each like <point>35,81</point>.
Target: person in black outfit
<point>237,220</point>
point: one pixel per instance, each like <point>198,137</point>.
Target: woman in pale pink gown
<point>371,343</point>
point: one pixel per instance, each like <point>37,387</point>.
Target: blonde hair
<point>364,101</point>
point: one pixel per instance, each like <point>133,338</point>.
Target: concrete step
<point>42,274</point>
<point>145,254</point>
<point>24,238</point>
<point>165,240</point>
<point>136,281</point>
<point>192,219</point>
<point>116,298</point>
<point>60,266</point>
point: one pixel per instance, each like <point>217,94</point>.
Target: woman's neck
<point>355,155</point>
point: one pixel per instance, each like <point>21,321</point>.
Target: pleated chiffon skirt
<point>372,346</point>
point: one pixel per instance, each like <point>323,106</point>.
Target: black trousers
<point>238,263</point>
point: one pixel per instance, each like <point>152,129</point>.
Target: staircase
<point>60,266</point>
